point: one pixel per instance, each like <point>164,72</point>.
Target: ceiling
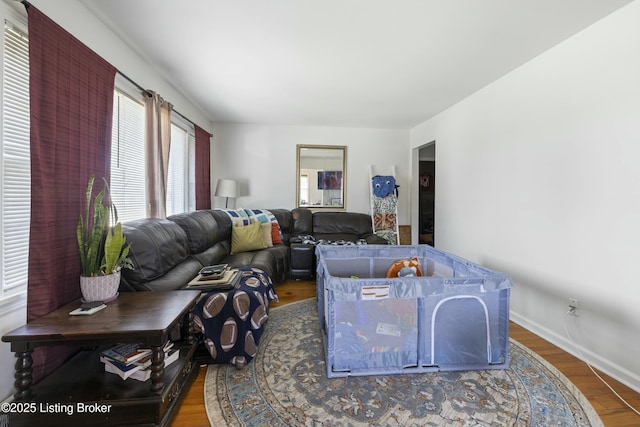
<point>345,63</point>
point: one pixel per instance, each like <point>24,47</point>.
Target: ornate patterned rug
<point>286,385</point>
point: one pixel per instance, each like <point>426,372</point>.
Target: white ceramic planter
<point>100,288</point>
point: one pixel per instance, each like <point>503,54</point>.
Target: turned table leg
<point>157,369</point>
<point>191,327</point>
<point>23,377</point>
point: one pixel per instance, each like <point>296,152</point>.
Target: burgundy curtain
<point>71,92</point>
<point>203,168</point>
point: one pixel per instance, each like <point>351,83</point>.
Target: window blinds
<point>16,170</point>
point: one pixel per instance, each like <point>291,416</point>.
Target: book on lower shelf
<point>139,369</point>
<point>126,353</point>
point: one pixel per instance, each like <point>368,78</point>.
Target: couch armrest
<point>302,260</point>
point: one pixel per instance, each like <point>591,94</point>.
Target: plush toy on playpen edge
<point>405,268</point>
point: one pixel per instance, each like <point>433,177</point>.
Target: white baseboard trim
<point>613,370</point>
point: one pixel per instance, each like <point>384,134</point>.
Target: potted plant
<point>103,249</point>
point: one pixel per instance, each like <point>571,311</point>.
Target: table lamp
<point>226,188</point>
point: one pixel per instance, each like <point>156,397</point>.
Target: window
<point>127,167</point>
<point>15,166</point>
<point>304,188</point>
<point>181,180</point>
<point>127,156</point>
<point>128,161</point>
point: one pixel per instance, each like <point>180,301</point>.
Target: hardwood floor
<point>610,409</point>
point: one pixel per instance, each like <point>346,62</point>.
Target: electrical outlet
<point>574,305</point>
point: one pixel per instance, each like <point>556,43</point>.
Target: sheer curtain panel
<point>158,142</point>
<point>71,100</point>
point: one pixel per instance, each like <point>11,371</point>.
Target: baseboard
<point>613,370</point>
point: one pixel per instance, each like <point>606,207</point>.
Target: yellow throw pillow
<point>247,238</point>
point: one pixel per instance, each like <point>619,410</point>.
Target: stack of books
<point>133,361</point>
<point>215,278</point>
<point>213,272</point>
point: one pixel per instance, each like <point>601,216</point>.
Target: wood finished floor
<point>612,412</point>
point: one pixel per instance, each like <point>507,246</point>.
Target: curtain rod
<point>143,90</point>
<point>146,92</point>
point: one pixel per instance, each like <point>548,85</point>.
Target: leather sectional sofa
<point>168,253</point>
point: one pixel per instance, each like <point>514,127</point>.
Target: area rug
<point>286,385</point>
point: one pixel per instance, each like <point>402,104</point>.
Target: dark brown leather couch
<point>168,253</point>
<point>326,227</point>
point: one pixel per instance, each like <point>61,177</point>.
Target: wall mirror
<point>321,176</point>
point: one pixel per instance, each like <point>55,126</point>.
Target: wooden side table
<point>67,396</point>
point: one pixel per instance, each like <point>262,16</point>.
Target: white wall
<point>263,160</point>
<point>75,18</point>
<point>537,176</point>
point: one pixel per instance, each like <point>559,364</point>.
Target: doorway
<point>426,194</point>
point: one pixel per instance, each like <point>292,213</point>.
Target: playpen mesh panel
<point>453,318</point>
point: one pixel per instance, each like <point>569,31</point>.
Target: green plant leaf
<point>102,248</point>
<point>113,248</point>
<point>81,244</point>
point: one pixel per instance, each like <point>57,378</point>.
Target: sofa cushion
<point>224,225</point>
<point>247,238</point>
<point>174,279</point>
<point>302,219</point>
<point>215,254</point>
<point>341,223</point>
<point>274,261</point>
<point>200,227</point>
<point>157,246</point>
<point>281,255</point>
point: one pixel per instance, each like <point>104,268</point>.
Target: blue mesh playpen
<point>454,317</point>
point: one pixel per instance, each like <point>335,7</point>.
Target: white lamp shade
<point>226,188</point>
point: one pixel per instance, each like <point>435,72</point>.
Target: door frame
<point>414,188</point>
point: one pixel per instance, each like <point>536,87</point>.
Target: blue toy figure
<point>384,186</point>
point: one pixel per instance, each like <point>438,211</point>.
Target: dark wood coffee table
<point>81,385</point>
